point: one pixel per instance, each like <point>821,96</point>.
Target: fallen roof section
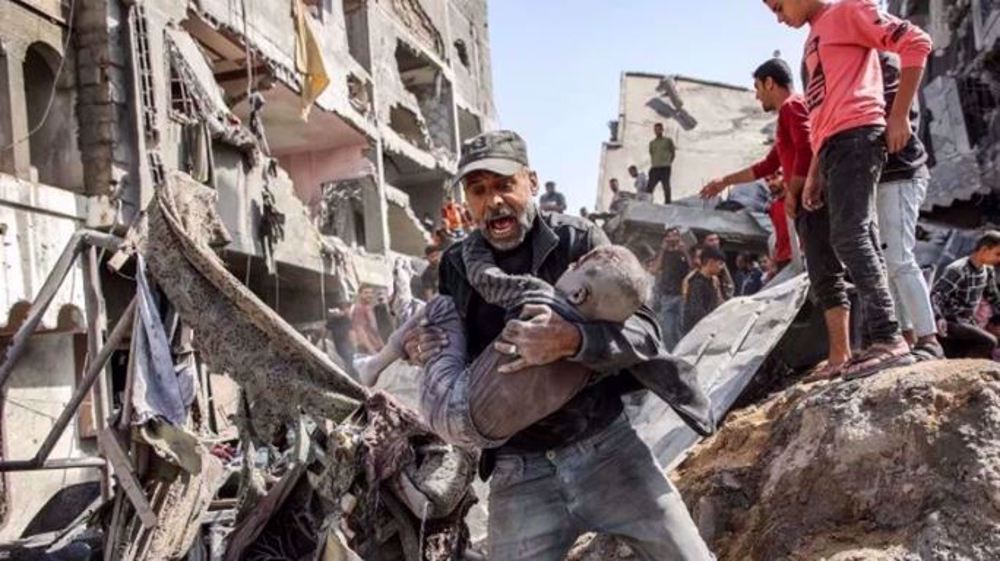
<point>728,349</point>
<point>640,219</point>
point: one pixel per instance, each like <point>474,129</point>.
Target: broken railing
<point>84,243</point>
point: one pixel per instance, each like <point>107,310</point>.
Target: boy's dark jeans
<point>850,164</point>
<point>826,272</point>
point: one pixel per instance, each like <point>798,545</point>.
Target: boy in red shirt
<point>792,154</point>
<point>850,137</point>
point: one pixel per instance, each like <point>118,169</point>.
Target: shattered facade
<point>960,97</point>
<point>327,129</point>
<point>716,128</point>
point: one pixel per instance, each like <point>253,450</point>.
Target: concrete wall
<point>732,132</point>
<point>39,388</point>
<point>37,221</point>
<point>310,170</point>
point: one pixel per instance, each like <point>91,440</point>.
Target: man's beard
<point>525,220</point>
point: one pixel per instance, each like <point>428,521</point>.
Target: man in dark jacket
<point>552,481</point>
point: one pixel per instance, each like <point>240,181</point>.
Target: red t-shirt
<point>791,151</point>
<point>792,154</point>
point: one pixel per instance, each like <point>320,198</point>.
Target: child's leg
<point>851,163</point>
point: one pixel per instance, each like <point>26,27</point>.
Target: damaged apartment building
<point>326,130</point>
<point>960,117</point>
<point>716,127</point>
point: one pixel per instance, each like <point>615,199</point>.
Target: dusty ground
<point>903,466</point>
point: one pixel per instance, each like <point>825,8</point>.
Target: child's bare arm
<point>369,368</point>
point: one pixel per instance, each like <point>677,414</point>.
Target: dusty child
<point>606,284</point>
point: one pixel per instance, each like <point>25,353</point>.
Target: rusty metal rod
<point>94,369</point>
<point>67,463</point>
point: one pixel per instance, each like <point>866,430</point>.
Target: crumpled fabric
<point>159,391</point>
<point>235,332</point>
<point>432,478</point>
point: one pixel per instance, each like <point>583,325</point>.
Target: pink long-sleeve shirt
<point>845,82</point>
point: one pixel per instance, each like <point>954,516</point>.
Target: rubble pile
<point>903,465</point>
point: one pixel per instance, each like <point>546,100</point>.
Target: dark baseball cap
<point>502,152</point>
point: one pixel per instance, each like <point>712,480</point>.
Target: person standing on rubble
<point>662,151</point>
<point>901,193</point>
<point>670,268</point>
<point>851,136</point>
<point>551,482</point>
<point>792,153</point>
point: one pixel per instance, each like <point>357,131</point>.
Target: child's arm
<point>369,368</point>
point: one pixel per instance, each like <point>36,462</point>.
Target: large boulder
<point>901,466</point>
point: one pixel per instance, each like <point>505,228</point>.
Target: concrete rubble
<point>905,465</point>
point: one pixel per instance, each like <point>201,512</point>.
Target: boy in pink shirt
<point>851,137</point>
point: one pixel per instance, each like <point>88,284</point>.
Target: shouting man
<point>552,481</point>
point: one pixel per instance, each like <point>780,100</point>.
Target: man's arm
<point>944,293</point>
<point>992,292</point>
<point>796,119</point>
<point>726,284</point>
<point>878,30</point>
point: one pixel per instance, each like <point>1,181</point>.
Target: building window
<point>463,53</point>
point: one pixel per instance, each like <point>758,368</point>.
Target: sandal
<point>927,351</point>
<point>825,371</point>
<point>880,356</point>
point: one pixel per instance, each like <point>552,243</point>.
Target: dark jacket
<point>633,349</point>
<point>911,161</point>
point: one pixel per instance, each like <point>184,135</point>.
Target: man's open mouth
<point>503,226</point>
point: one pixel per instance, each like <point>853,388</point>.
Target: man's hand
<point>942,327</point>
<point>713,188</point>
<point>540,337</point>
<point>792,207</point>
<point>423,343</point>
<point>898,132</point>
<point>812,194</point>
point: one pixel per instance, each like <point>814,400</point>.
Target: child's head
<point>712,261</point>
<point>794,13</point>
<point>607,284</point>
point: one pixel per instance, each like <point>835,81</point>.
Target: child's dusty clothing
<point>494,285</point>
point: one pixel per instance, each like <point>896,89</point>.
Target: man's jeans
<point>671,316</point>
<point>659,176</point>
<point>850,165</point>
<point>898,211</point>
<point>540,503</point>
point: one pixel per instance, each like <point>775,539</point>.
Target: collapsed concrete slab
<point>643,224</point>
<point>903,465</point>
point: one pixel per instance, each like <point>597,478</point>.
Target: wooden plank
<point>126,478</point>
